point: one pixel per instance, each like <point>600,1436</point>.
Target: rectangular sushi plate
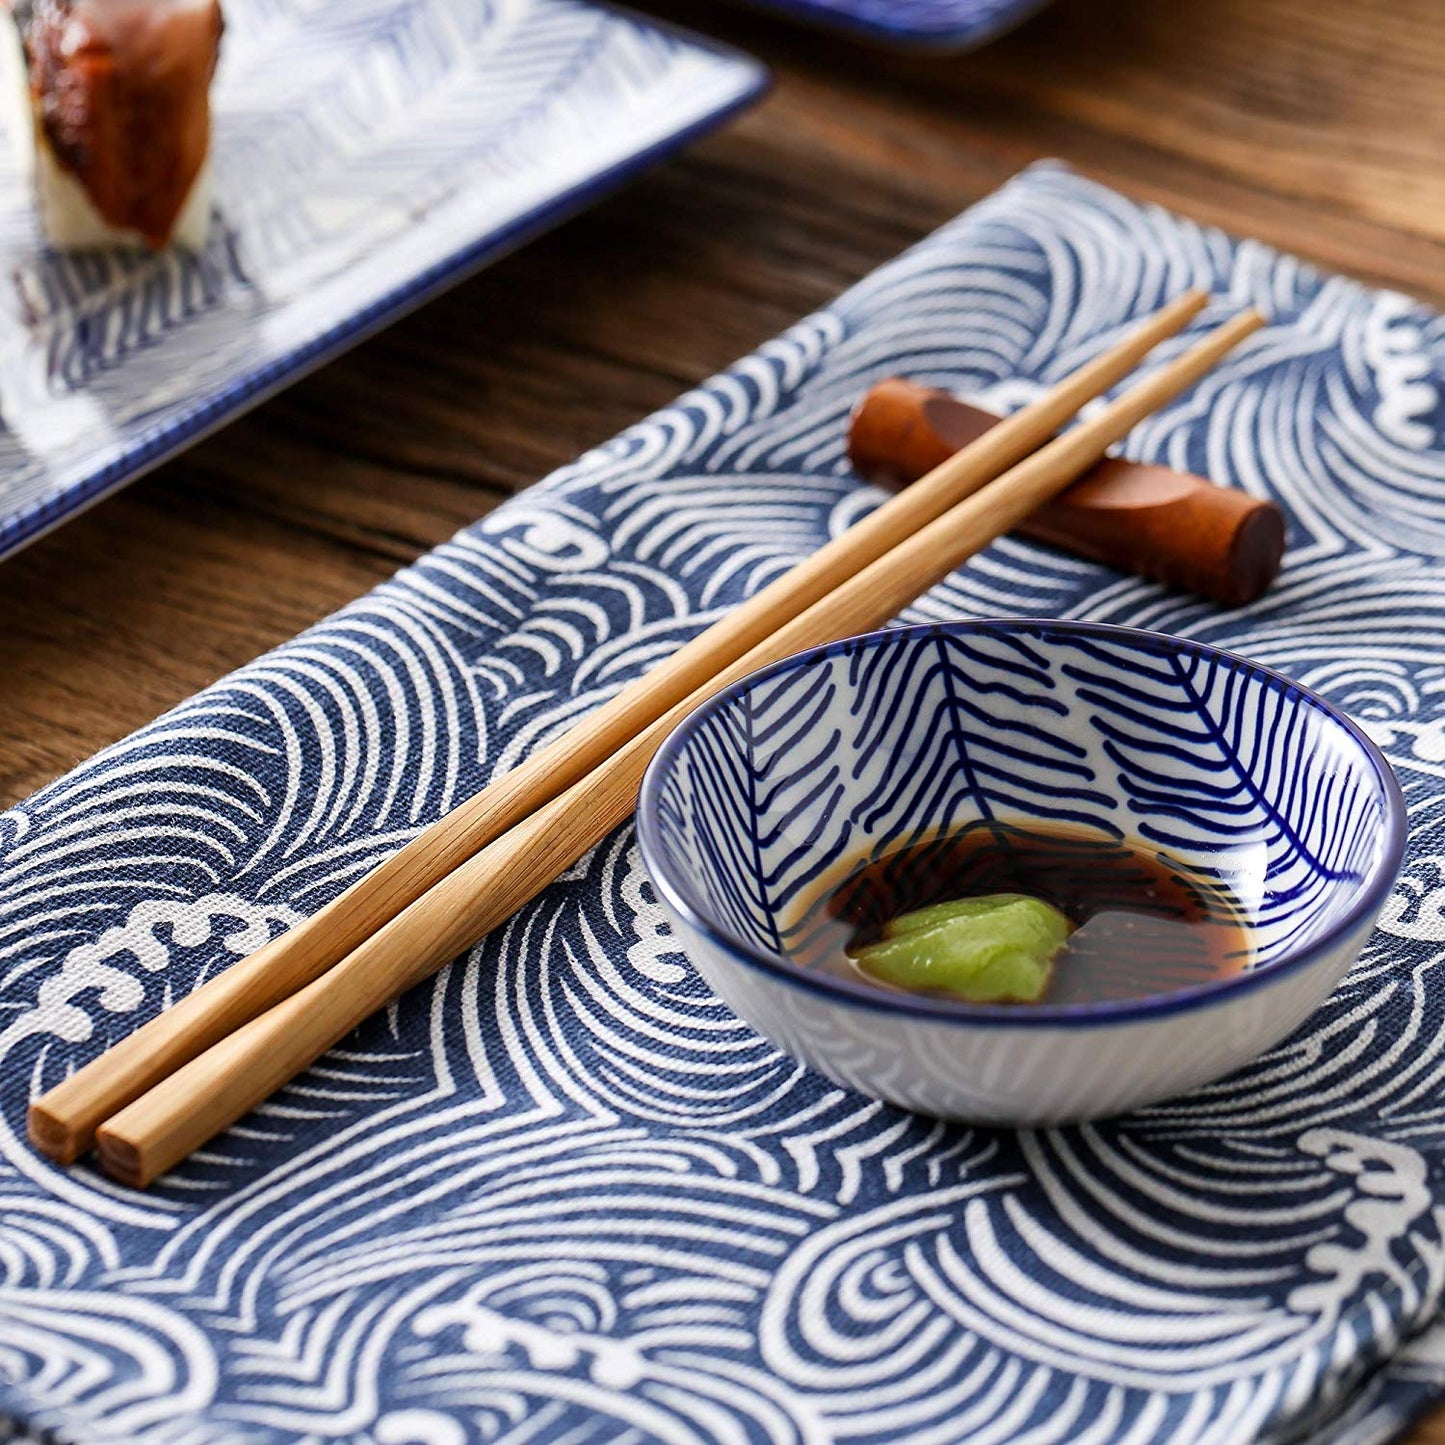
<point>367,157</point>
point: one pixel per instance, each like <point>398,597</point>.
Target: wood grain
<point>1315,125</point>
<point>1175,528</point>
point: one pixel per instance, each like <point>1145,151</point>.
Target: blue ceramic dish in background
<point>865,745</point>
<point>947,25</point>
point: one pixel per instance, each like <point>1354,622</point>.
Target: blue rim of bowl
<point>1371,898</point>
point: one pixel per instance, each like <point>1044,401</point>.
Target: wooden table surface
<point>1316,125</point>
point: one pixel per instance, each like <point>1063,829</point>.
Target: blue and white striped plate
<point>367,157</point>
<point>952,25</point>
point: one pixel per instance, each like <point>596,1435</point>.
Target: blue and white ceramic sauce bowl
<point>854,750</point>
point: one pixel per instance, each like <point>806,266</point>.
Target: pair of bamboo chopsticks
<point>198,1067</point>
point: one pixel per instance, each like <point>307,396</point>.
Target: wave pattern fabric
<point>417,140</point>
<point>560,1192</point>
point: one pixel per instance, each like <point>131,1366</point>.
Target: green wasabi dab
<point>996,949</point>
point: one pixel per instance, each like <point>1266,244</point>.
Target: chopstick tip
<point>52,1136</point>
<point>121,1159</point>
<point>1186,305</point>
<point>1244,322</point>
<point>1191,302</point>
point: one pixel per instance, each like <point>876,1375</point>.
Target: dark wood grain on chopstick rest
<point>1158,523</point>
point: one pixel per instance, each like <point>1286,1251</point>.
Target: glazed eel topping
<point>120,91</point>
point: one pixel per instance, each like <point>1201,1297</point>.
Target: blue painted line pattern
<point>560,1191</point>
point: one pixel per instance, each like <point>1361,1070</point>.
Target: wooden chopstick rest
<point>217,1087</point>
<point>62,1123</point>
<point>1168,526</point>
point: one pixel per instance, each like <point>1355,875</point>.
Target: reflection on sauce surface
<point>1143,924</point>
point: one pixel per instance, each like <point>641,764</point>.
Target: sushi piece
<point>110,108</point>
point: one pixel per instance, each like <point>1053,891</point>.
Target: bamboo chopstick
<point>215,1089</point>
<point>62,1123</point>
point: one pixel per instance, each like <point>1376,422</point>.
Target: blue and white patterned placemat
<point>560,1193</point>
<point>916,24</point>
<point>367,156</point>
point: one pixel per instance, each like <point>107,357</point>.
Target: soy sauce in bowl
<point>1142,923</point>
